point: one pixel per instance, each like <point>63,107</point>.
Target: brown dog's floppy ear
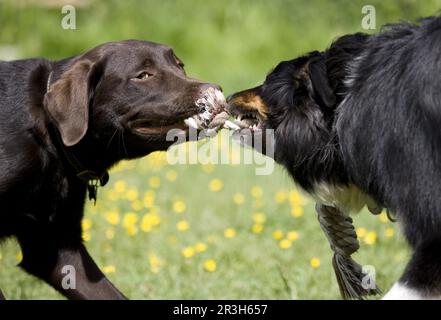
<point>67,102</point>
<point>321,90</point>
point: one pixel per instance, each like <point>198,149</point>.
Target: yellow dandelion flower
<point>370,238</point>
<point>188,252</point>
<point>131,230</point>
<point>110,234</point>
<point>216,185</point>
<point>146,226</point>
<point>280,196</point>
<point>154,262</point>
<point>210,265</point>
<point>109,269</point>
<point>257,228</point>
<point>229,233</point>
<point>112,217</point>
<point>120,186</point>
<point>383,217</point>
<point>136,205</point>
<point>87,236</point>
<point>361,232</point>
<point>238,198</point>
<point>285,244</point>
<point>200,247</point>
<point>182,226</point>
<point>171,175</point>
<point>208,168</point>
<point>297,211</point>
<point>389,233</point>
<point>295,198</point>
<point>154,182</point>
<point>155,219</point>
<point>149,202</point>
<point>257,192</point>
<point>19,256</point>
<point>179,206</point>
<point>277,234</point>
<point>315,263</point>
<point>132,194</point>
<point>86,224</point>
<point>259,217</point>
<point>130,218</point>
<point>148,221</point>
<point>292,235</point>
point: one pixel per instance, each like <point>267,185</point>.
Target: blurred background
<point>163,231</point>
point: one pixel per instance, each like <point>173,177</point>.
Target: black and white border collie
<point>360,124</point>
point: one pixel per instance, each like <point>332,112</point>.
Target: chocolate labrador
<point>63,124</point>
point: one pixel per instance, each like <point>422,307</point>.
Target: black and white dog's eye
<point>143,75</point>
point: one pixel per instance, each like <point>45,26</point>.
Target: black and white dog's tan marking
<point>64,123</point>
<point>360,123</point>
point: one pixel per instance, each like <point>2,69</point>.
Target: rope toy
<point>213,116</point>
<point>339,230</point>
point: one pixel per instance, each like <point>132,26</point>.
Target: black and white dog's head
<point>298,100</point>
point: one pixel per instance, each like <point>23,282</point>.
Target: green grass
<point>234,43</point>
<point>250,265</point>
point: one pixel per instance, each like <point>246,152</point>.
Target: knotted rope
<point>342,238</point>
<point>213,126</point>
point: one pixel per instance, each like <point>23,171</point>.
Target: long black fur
<point>302,95</point>
<point>367,112</point>
<point>390,137</point>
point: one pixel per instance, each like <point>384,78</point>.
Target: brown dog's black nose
<point>206,86</point>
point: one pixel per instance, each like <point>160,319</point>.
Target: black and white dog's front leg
<point>69,269</point>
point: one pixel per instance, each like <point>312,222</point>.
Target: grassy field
<point>164,231</point>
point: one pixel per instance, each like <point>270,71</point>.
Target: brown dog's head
<point>123,96</point>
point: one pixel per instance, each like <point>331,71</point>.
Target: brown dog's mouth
<point>158,130</point>
<point>211,107</point>
<point>212,112</point>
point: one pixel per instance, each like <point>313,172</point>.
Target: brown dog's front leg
<point>76,276</point>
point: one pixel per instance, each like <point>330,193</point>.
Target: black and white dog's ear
<point>319,88</point>
<point>67,100</point>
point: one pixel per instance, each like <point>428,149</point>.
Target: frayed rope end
<point>339,229</point>
<point>353,283</point>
